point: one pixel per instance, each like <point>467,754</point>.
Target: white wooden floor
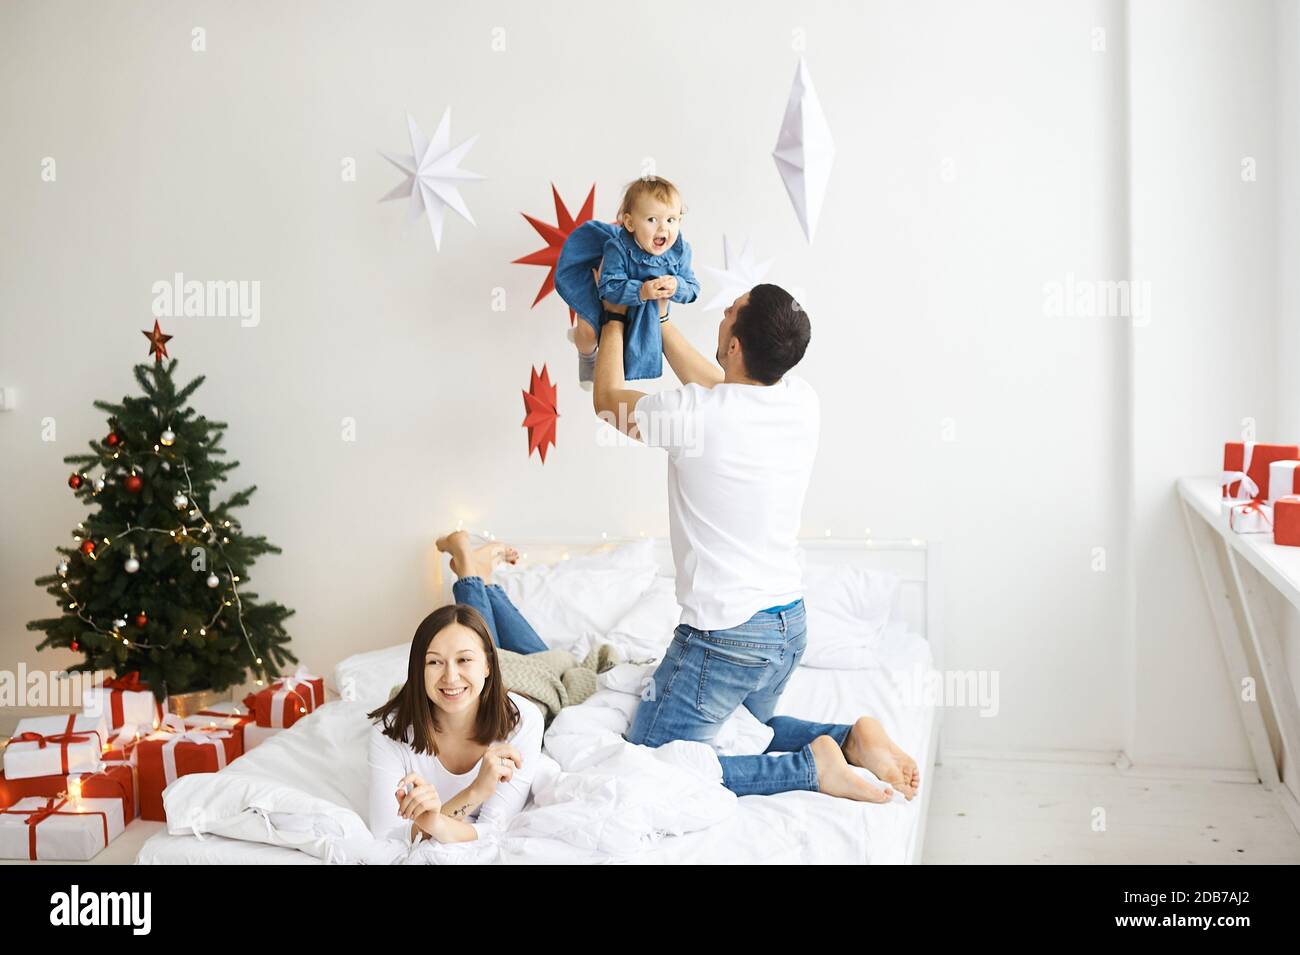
<point>1003,811</point>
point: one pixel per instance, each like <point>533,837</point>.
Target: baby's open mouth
<point>659,243</point>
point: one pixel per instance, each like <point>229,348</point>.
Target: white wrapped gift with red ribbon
<point>59,827</point>
<point>55,745</point>
<point>1251,517</point>
<point>124,699</point>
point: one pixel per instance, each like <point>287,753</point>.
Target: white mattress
<point>796,827</point>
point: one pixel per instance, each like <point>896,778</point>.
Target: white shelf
<point>1279,564</point>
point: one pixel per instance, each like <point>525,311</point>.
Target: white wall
<point>926,297</point>
<point>1204,96</point>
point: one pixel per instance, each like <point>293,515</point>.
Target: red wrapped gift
<point>1286,521</point>
<point>111,782</point>
<point>1246,467</point>
<point>232,722</point>
<point>129,701</point>
<point>288,699</point>
<point>165,756</point>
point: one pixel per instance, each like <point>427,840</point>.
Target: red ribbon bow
<point>127,681</point>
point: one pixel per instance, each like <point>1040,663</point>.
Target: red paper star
<point>540,413</point>
<point>157,341</point>
<point>555,236</point>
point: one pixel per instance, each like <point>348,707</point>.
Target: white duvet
<point>598,798</point>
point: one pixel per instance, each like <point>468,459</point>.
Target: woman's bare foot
<point>470,561</point>
<point>457,545</point>
<point>836,777</point>
<point>869,746</point>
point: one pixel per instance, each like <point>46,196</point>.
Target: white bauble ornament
<point>213,580</point>
<point>131,565</point>
<point>167,438</point>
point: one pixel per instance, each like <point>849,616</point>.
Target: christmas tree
<point>157,579</point>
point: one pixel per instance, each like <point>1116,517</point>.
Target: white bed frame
<point>920,604</point>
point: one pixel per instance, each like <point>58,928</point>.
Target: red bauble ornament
<point>74,646</point>
<point>140,620</point>
<point>133,483</point>
<point>113,440</point>
<point>88,547</point>
<point>74,481</point>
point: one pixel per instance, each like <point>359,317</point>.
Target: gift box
<point>1283,479</point>
<point>112,782</point>
<point>1251,517</point>
<point>55,746</point>
<point>123,700</point>
<point>55,827</point>
<point>165,756</point>
<point>288,699</point>
<point>1246,467</point>
<point>1286,521</point>
<point>255,735</point>
<point>121,745</point>
<point>217,720</point>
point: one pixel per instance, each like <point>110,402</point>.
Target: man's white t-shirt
<point>739,461</point>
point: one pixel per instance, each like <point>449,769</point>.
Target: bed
<point>796,827</point>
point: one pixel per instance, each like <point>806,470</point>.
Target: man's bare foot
<point>836,778</point>
<point>869,746</point>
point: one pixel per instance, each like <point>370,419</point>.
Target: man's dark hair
<point>773,330</point>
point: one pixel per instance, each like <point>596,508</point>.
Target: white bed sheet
<point>796,827</point>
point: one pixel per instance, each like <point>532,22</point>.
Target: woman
<point>458,748</point>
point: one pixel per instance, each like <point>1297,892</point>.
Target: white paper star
<point>433,174</point>
<point>739,274</point>
<point>804,151</point>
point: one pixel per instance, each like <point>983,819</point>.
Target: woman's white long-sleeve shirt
<point>390,760</point>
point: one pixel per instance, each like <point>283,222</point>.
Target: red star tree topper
<point>555,236</point>
<point>540,413</point>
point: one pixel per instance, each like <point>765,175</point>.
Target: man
<point>741,437</point>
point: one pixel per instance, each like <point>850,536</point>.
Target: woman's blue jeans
<point>509,629</point>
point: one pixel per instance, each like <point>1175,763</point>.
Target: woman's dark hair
<point>411,706</point>
<point>774,332</point>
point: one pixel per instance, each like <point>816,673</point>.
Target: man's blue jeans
<point>509,629</point>
<point>706,674</point>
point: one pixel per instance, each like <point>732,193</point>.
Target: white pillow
<point>848,608</point>
<point>367,677</point>
<point>580,599</point>
<point>255,809</point>
<point>644,632</point>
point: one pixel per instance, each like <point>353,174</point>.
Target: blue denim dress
<point>624,265</point>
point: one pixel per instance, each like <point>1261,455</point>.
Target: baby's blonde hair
<point>652,186</point>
